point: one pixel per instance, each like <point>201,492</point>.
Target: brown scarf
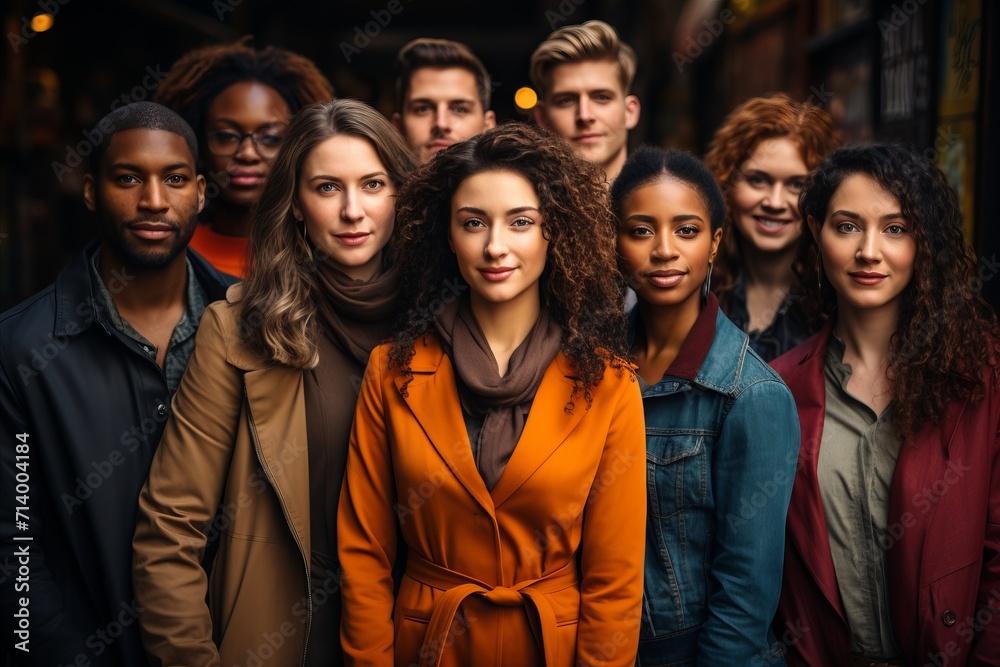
<point>354,313</point>
<point>502,402</point>
<point>354,317</point>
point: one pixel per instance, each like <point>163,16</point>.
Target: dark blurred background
<point>923,71</point>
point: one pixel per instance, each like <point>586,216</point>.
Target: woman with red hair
<point>760,157</point>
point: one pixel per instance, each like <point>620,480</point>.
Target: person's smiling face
<point>666,243</point>
<point>867,246</point>
<point>497,235</point>
<point>346,200</point>
<point>765,198</point>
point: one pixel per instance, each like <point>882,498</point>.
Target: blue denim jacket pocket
<point>679,530</point>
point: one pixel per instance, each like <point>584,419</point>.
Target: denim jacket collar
<point>701,360</point>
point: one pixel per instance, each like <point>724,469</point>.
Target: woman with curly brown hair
<point>239,100</point>
<point>498,439</point>
<point>893,549</point>
<point>760,157</point>
<point>256,441</point>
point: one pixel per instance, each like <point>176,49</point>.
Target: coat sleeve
<point>48,635</point>
<point>986,651</point>
<point>753,469</point>
<point>178,503</point>
<point>614,533</point>
<point>367,529</point>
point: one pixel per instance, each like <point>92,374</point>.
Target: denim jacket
<point>722,438</point>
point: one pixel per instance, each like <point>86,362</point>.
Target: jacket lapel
<point>547,427</point>
<point>432,397</point>
<point>806,519</point>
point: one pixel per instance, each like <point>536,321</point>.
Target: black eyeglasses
<point>226,143</point>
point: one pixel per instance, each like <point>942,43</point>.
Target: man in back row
<point>583,74</point>
<point>443,95</point>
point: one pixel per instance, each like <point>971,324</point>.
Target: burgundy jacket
<point>943,563</point>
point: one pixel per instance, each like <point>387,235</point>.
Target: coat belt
<point>528,594</point>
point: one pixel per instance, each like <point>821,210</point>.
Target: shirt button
<point>948,617</point>
<point>161,409</point>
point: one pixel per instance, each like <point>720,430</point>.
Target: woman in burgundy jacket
<point>893,536</point>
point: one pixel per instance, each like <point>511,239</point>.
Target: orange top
<point>226,253</point>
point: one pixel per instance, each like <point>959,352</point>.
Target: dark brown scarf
<point>353,318</point>
<point>501,402</point>
<point>354,313</point>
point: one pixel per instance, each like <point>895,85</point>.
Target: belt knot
<point>504,597</point>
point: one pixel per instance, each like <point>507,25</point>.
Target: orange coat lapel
<point>432,397</point>
<point>547,427</point>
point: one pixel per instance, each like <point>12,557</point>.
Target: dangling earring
<point>819,274</point>
<point>305,241</point>
<point>705,288</point>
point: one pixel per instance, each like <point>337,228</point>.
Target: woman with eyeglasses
<point>239,100</point>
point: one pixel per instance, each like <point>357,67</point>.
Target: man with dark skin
<point>87,370</point>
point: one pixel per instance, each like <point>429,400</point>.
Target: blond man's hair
<point>593,40</point>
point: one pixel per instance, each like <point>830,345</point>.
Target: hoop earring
<point>707,286</point>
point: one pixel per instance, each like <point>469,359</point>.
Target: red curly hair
<point>754,121</point>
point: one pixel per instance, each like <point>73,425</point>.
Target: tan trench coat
<point>236,443</point>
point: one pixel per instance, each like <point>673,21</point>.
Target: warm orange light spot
<point>42,22</point>
<point>525,98</point>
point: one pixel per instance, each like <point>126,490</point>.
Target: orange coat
<point>545,569</point>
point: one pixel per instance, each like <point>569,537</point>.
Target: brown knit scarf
<point>502,402</point>
<point>354,313</point>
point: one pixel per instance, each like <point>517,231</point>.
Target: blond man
<point>583,74</point>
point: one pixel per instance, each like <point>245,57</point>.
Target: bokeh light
<point>42,22</point>
<point>525,98</point>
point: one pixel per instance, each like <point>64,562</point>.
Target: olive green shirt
<point>857,459</point>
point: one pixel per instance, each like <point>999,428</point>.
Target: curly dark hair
<point>198,77</point>
<point>580,284</point>
<point>756,120</point>
<point>946,332</point>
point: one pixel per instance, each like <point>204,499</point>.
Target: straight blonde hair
<point>593,40</point>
